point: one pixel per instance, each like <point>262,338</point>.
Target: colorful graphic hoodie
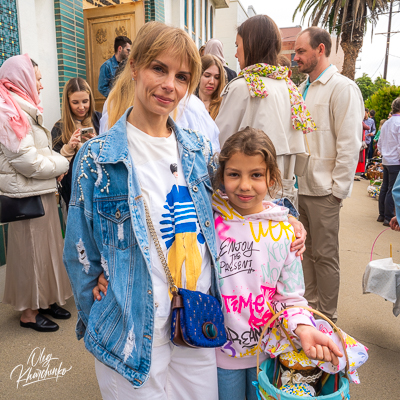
<point>256,266</point>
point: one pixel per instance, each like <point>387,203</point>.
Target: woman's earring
<point>133,78</point>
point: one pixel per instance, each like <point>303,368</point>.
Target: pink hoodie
<point>256,265</point>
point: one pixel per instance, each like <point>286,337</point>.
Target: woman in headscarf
<point>36,279</point>
<point>214,47</point>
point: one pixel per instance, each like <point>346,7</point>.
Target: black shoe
<point>386,223</point>
<point>56,312</point>
<point>42,324</point>
<point>381,219</point>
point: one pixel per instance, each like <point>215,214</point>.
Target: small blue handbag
<point>197,318</point>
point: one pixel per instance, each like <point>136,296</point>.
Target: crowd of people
<point>213,173</point>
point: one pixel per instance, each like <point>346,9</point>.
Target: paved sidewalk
<point>368,318</point>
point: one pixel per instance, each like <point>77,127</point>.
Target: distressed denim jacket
<point>118,330</point>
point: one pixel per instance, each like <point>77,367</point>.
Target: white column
<point>37,35</point>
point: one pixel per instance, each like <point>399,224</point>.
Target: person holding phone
<point>79,122</point>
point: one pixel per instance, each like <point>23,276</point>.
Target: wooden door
<point>102,26</point>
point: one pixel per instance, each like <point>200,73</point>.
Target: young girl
<point>77,112</point>
<point>256,264</point>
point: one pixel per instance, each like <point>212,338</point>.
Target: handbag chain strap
<point>172,287</point>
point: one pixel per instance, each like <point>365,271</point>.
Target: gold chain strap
<point>172,287</point>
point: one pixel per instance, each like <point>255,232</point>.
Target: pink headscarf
<point>16,75</point>
<point>214,47</point>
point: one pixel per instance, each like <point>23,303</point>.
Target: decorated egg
<point>299,389</point>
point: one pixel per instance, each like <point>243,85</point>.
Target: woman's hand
<point>75,139</point>
<point>102,285</point>
<point>87,137</point>
<point>318,346</point>
<point>60,178</point>
<point>301,234</point>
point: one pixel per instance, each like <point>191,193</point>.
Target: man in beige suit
<point>336,104</point>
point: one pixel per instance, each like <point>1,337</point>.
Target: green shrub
<point>382,100</point>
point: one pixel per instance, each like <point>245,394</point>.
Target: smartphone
<point>86,134</point>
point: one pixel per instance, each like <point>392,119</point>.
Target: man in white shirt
<point>336,104</point>
<point>389,147</point>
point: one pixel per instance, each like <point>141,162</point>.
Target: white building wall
<point>226,22</point>
<point>37,33</point>
<point>175,16</point>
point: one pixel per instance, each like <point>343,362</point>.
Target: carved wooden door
<point>102,26</point>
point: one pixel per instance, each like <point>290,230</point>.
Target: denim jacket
<point>107,73</point>
<point>118,330</point>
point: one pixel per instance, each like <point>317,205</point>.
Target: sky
<point>370,60</point>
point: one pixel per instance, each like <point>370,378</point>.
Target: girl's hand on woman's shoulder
<point>102,285</point>
<point>316,345</point>
<point>299,244</point>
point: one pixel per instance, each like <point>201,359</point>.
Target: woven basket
<point>266,390</point>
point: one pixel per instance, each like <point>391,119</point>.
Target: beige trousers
<point>320,217</point>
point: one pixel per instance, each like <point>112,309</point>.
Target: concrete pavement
<point>368,318</point>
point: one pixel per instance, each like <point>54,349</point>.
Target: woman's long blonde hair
<point>67,118</point>
<point>152,39</point>
<point>206,62</point>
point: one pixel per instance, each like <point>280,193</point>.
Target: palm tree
<point>347,18</point>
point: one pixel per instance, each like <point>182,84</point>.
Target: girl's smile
<point>246,182</point>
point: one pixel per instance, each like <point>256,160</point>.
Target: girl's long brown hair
<point>152,39</point>
<point>67,118</point>
<point>250,142</point>
<point>206,62</point>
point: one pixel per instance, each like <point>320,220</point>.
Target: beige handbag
<point>302,161</point>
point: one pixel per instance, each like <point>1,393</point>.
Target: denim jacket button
<point>149,292</point>
<point>207,223</point>
<point>118,214</point>
<point>195,189</point>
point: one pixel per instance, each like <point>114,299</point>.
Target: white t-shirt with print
<point>172,211</point>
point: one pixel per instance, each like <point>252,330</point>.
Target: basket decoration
<point>335,379</point>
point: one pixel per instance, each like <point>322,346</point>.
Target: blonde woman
<point>144,158</point>
<point>77,113</point>
<point>212,82</point>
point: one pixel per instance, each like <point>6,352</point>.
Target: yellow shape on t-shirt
<point>185,249</point>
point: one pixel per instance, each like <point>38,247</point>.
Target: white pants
<point>176,373</point>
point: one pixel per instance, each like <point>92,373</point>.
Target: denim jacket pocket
<point>116,226</point>
<point>104,316</point>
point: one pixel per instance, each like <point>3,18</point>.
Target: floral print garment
<point>277,343</point>
<point>301,118</point>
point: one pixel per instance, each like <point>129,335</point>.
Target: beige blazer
<point>271,114</point>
